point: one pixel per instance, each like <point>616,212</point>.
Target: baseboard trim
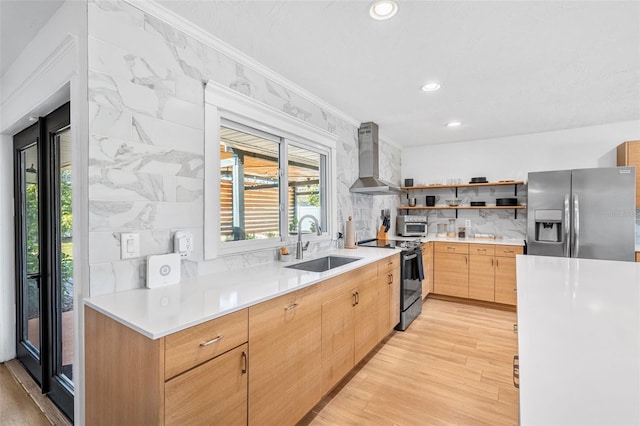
<point>481,303</point>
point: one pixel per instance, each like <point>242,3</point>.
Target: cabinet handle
<point>516,371</point>
<point>290,307</point>
<point>451,248</point>
<point>481,249</point>
<point>491,262</point>
<point>497,263</point>
<point>466,261</point>
<point>508,251</point>
<point>390,279</point>
<point>354,303</point>
<point>515,328</point>
<point>212,341</point>
<point>244,362</point>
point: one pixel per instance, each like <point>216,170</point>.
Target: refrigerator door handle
<point>576,226</point>
<point>567,225</point>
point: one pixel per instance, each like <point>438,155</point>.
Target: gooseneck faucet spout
<point>299,247</point>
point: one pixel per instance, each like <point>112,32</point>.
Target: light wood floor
<point>16,406</point>
<point>453,366</point>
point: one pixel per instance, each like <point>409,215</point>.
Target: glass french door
<point>44,255</point>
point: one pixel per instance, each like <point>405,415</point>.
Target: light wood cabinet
<point>349,322</point>
<point>451,269</point>
<point>268,364</point>
<point>215,390</point>
<point>427,264</point>
<point>481,272</point>
<point>131,379</point>
<point>195,345</point>
<point>487,273</point>
<point>638,256</point>
<point>285,356</point>
<point>505,282</point>
<point>388,295</point>
<point>628,154</point>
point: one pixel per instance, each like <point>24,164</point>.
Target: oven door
<point>412,274</point>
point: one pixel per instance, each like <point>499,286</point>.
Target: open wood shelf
<point>458,207</point>
<point>463,185</point>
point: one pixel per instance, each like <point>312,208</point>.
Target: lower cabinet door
<point>366,319</point>
<point>285,355</point>
<point>481,278</point>
<point>338,315</point>
<point>506,280</point>
<point>451,274</point>
<point>213,393</point>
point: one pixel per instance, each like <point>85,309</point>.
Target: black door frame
<point>43,372</point>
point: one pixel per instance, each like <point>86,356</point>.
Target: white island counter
<point>579,341</point>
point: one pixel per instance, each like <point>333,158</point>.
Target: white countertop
<point>579,341</point>
<point>161,311</point>
<point>432,237</point>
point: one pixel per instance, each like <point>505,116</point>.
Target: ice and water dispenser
<point>548,226</point>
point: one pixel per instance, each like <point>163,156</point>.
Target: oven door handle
<point>409,256</point>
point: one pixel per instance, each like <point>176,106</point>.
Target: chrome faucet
<point>299,247</point>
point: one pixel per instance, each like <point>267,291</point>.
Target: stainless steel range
<point>412,273</point>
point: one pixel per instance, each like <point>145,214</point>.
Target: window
<point>264,171</point>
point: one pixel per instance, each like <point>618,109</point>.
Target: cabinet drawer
<point>193,346</point>
<point>482,249</point>
<point>460,248</point>
<point>508,251</point>
<point>388,264</point>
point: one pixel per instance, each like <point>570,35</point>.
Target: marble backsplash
<point>146,144</point>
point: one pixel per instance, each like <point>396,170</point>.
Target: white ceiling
<point>507,67</point>
<point>20,21</point>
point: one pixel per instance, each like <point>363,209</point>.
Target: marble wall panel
<point>147,143</point>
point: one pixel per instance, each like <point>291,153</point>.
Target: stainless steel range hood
<point>369,181</point>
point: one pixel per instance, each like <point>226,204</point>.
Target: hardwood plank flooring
<point>16,407</point>
<point>453,366</point>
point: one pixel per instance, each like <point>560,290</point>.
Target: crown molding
<point>153,8</point>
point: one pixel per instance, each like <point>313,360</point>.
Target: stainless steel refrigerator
<point>586,213</point>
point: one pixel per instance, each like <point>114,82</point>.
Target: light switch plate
<point>163,270</point>
<point>129,245</point>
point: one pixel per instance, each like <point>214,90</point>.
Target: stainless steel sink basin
<point>324,263</point>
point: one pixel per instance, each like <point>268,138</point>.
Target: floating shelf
<point>459,207</point>
<point>463,185</point>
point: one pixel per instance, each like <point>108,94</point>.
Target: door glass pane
<point>249,186</point>
<point>31,230</point>
<point>65,289</point>
<point>305,171</point>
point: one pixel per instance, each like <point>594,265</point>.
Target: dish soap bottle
<point>340,241</point>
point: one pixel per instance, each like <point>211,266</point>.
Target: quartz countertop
<point>432,237</point>
<point>579,341</point>
<point>161,311</point>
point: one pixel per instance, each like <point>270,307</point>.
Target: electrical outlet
<point>467,223</point>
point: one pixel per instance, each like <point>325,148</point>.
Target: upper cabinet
<point>629,155</point>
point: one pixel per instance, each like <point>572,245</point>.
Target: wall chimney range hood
<point>369,181</point>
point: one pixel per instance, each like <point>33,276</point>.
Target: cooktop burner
<point>406,245</point>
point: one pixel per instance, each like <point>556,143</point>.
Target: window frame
<point>224,104</point>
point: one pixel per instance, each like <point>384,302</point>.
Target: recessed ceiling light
<point>383,9</point>
<point>454,124</point>
<point>432,86</point>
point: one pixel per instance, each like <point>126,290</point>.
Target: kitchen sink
<point>324,263</point>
